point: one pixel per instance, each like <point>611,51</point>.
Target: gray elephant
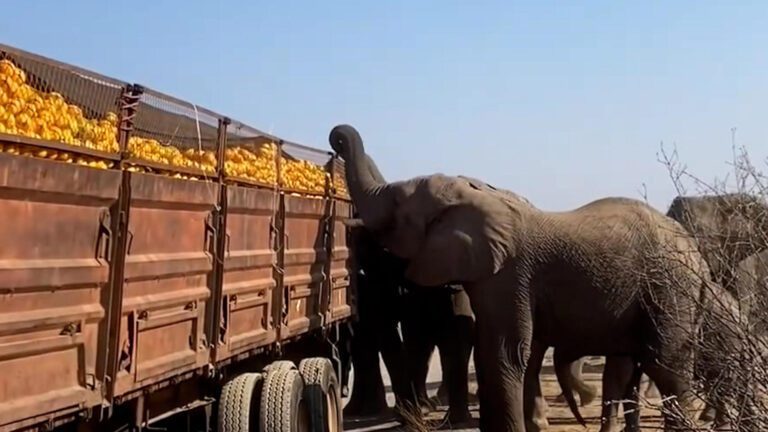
<point>726,385</point>
<point>428,317</point>
<point>728,228</point>
<point>628,275</point>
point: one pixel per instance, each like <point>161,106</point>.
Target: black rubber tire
<point>321,390</point>
<point>283,408</point>
<point>239,404</point>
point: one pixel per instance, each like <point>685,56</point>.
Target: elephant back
<point>728,228</point>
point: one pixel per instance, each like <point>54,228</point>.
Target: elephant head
<point>728,228</point>
<point>447,228</point>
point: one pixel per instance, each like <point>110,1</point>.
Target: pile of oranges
<point>151,150</point>
<point>254,164</point>
<point>303,176</point>
<point>28,112</point>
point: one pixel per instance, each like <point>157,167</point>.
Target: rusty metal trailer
<point>127,297</point>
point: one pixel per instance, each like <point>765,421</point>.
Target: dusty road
<point>560,419</point>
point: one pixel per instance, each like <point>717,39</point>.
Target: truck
<point>158,259</point>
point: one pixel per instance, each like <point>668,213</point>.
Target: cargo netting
<point>250,156</point>
<point>303,169</point>
<point>60,112</point>
<point>46,107</point>
<point>170,135</point>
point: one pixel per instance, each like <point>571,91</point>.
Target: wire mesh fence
<point>41,99</point>
<point>47,103</point>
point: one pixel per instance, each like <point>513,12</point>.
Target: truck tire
<point>239,404</point>
<point>283,408</point>
<point>321,390</point>
<point>279,365</point>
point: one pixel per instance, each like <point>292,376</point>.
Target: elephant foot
<point>539,421</point>
<point>536,425</point>
<point>461,420</point>
<point>611,426</point>
<point>411,417</point>
<point>355,408</point>
<point>540,409</point>
<point>428,405</point>
<point>437,401</point>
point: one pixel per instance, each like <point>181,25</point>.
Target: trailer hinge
<point>90,381</point>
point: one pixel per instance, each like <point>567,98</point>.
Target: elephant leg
<point>503,345</point>
<point>631,402</point>
<point>670,365</point>
<point>419,348</point>
<point>345,357</point>
<point>441,398</point>
<point>535,406</point>
<point>368,396</point>
<point>455,347</point>
<point>620,378</point>
<point>396,361</point>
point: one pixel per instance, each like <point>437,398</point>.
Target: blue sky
<point>561,101</point>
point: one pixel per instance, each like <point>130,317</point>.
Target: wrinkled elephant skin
<point>530,273</point>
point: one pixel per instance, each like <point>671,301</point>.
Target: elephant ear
<point>462,234</point>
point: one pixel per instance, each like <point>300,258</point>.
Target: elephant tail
<point>563,373</point>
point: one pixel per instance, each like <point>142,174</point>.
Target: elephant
<point>748,283</point>
<point>626,273</point>
<point>447,324</point>
<point>728,229</point>
<point>376,331</point>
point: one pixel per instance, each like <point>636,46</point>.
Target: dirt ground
<point>560,418</point>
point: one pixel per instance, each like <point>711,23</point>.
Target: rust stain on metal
<point>52,290</point>
<point>167,268</point>
<point>305,259</point>
<point>248,280</point>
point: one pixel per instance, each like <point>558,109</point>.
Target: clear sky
<point>561,101</point>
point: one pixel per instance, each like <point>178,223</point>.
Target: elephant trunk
<point>369,191</point>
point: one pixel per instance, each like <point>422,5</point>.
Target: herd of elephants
<point>457,264</point>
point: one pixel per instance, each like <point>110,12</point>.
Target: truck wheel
<point>279,365</point>
<point>239,404</point>
<point>283,409</point>
<point>321,390</point>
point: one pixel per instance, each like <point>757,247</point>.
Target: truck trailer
<point>157,259</point>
